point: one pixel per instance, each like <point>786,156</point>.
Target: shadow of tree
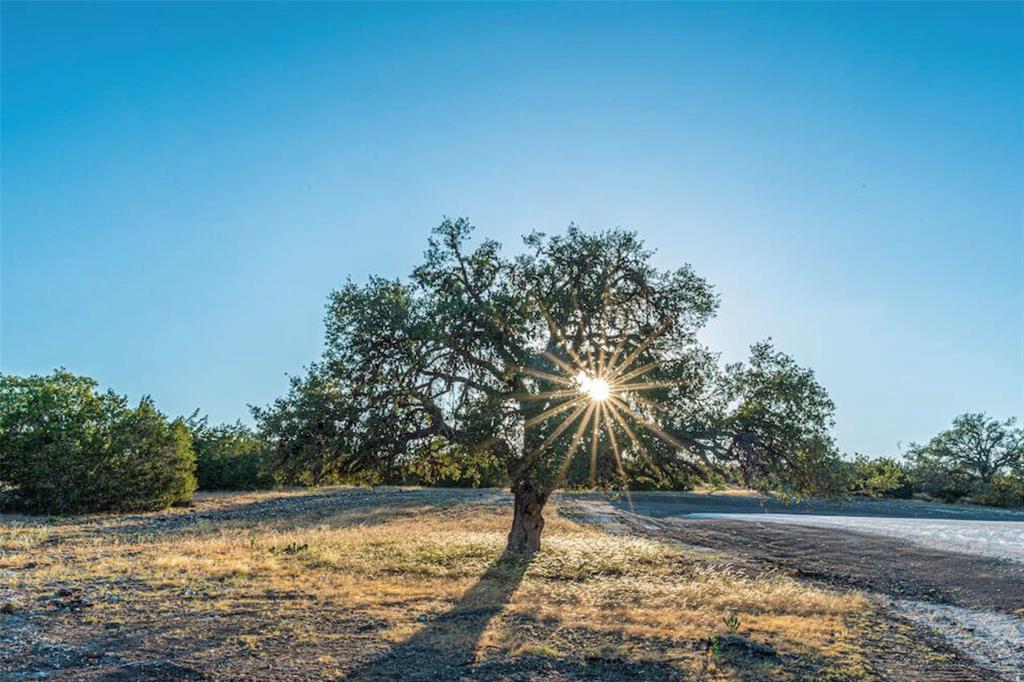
<point>449,642</point>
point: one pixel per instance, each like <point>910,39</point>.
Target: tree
<point>228,456</point>
<point>976,449</point>
<point>578,345</point>
<point>66,448</point>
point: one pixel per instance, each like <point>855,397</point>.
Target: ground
<point>413,584</point>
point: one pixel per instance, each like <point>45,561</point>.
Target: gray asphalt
<point>665,504</point>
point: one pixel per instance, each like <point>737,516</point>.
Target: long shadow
<point>449,642</point>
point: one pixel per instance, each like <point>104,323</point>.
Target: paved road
<point>981,531</point>
<point>661,505</point>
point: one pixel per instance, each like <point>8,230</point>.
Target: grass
<point>252,587</point>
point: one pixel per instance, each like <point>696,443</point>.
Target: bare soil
<point>67,622</point>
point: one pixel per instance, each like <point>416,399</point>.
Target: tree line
<point>576,364</point>
<point>66,448</point>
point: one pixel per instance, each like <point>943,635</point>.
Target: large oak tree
<point>576,349</point>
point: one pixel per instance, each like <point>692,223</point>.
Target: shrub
<point>880,477</point>
<point>1004,491</point>
<point>229,456</point>
<point>937,480</point>
<point>65,449</point>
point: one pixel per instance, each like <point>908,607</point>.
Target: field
<point>413,584</point>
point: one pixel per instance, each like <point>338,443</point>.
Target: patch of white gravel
<point>993,640</point>
<point>999,539</point>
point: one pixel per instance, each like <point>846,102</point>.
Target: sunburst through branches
<point>597,393</point>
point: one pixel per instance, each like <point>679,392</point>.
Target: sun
<point>595,387</point>
<point>599,392</point>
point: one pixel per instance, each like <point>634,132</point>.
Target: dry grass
<point>589,592</point>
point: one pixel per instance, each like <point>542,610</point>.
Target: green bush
<point>880,477</point>
<point>66,449</point>
<point>230,457</point>
<point>1004,491</point>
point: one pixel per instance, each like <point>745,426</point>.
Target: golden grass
<point>397,564</point>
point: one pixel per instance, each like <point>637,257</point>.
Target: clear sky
<point>183,184</point>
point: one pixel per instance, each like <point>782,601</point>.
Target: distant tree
<point>975,457</point>
<point>65,448</point>
<point>975,448</point>
<point>577,347</point>
<point>229,456</point>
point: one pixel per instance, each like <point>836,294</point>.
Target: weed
<point>290,548</point>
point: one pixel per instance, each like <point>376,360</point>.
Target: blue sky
<point>183,184</point>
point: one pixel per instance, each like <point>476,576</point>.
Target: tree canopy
<point>969,457</point>
<point>577,348</point>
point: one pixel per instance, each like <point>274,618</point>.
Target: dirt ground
<point>412,584</point>
<point>878,564</point>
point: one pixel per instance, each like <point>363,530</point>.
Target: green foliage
<point>65,448</point>
<point>880,477</point>
<point>229,456</point>
<point>976,447</point>
<point>967,459</point>
<point>1004,490</point>
<point>441,463</point>
<point>439,377</point>
<point>309,434</point>
<point>779,427</point>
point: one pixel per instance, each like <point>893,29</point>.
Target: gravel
<point>993,640</point>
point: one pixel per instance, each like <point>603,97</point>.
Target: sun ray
<point>657,407</point>
<point>577,438</point>
<point>600,352</point>
<point>619,347</point>
<point>594,441</point>
<point>618,461</point>
<point>581,333</point>
<point>558,335</point>
<point>633,437</point>
<point>554,411</point>
<point>560,362</point>
<point>651,426</point>
<point>546,395</point>
<point>631,358</point>
<point>604,327</point>
<point>635,373</point>
<point>559,430</point>
<point>647,386</point>
<point>546,376</point>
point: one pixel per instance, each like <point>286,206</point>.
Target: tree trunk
<point>527,521</point>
